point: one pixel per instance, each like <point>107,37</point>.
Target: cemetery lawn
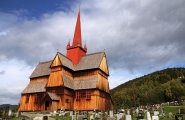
<point>57,117</point>
<point>173,110</point>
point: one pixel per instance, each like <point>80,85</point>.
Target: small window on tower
<point>67,100</point>
<point>27,98</point>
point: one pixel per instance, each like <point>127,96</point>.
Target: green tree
<point>177,90</point>
<point>168,93</point>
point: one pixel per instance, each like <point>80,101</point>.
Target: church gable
<point>103,65</point>
<point>56,61</point>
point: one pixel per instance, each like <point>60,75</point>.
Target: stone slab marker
<point>148,116</point>
<point>128,117</point>
<point>156,113</point>
<point>111,113</point>
<point>155,117</point>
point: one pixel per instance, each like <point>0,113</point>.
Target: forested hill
<point>160,86</point>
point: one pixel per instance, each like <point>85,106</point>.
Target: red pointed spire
<point>77,40</point>
<point>76,51</point>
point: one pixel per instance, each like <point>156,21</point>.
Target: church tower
<point>76,51</point>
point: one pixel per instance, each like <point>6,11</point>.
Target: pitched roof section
<point>86,83</point>
<point>42,69</point>
<point>68,81</point>
<point>66,61</point>
<point>35,87</point>
<point>90,61</point>
<point>52,96</point>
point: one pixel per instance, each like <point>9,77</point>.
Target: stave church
<point>75,81</point>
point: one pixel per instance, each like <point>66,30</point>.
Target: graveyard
<point>164,111</point>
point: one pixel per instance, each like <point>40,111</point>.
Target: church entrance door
<point>46,105</point>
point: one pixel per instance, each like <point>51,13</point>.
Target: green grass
<point>66,117</point>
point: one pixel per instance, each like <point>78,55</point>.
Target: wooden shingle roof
<point>42,69</point>
<point>66,61</point>
<point>89,82</point>
<point>35,87</point>
<point>53,96</point>
<point>68,81</point>
<point>90,61</point>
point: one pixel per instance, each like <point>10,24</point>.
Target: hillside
<point>3,106</point>
<point>157,87</point>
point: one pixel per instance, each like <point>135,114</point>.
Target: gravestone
<point>10,112</point>
<point>45,117</point>
<point>73,117</point>
<point>156,113</point>
<point>91,117</point>
<point>140,116</point>
<point>37,118</point>
<point>155,117</point>
<point>170,115</point>
<point>71,113</point>
<point>181,111</point>
<point>128,117</point>
<point>111,113</point>
<point>162,110</point>
<point>80,117</point>
<point>178,117</point>
<point>119,116</point>
<point>148,116</point>
<point>128,112</point>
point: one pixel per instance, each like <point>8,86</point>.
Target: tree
<point>177,90</point>
<point>168,93</point>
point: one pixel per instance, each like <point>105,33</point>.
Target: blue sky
<point>138,36</point>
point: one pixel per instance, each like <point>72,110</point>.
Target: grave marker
<point>155,117</point>
<point>80,117</point>
<point>178,117</point>
<point>148,116</point>
<point>156,113</point>
<point>73,117</point>
<point>111,113</point>
<point>128,117</point>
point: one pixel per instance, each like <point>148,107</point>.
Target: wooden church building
<point>77,81</point>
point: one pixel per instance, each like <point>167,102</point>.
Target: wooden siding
<point>56,61</point>
<point>83,74</point>
<point>55,79</point>
<point>103,66</point>
<point>65,71</point>
<point>103,83</point>
<point>99,100</point>
<point>31,105</point>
